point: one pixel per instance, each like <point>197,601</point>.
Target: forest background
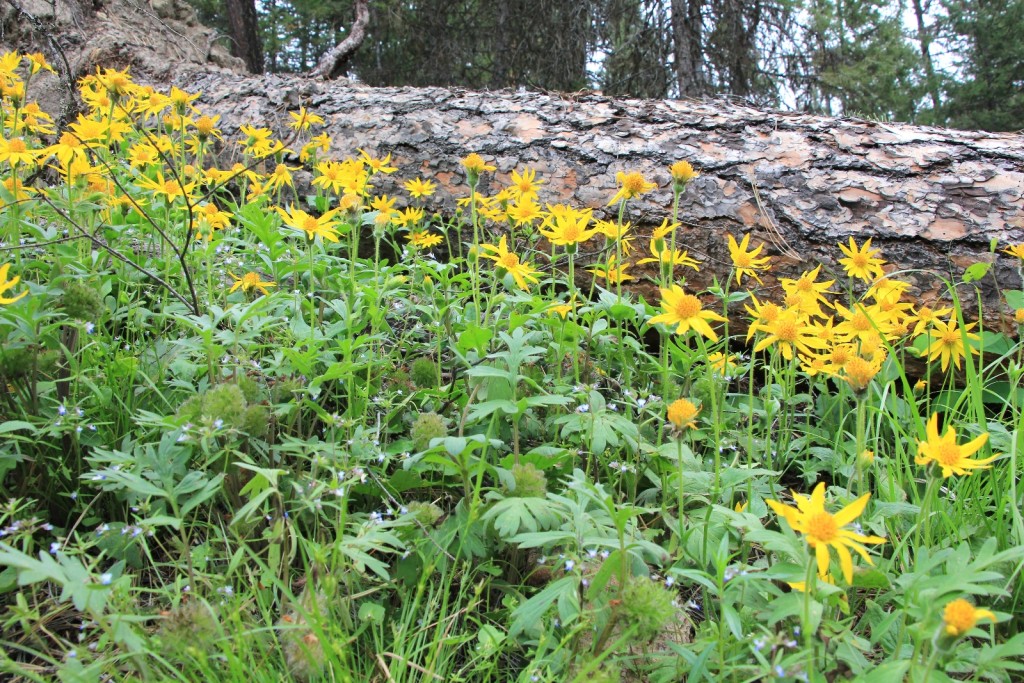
<point>956,63</point>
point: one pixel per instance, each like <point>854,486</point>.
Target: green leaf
<point>372,612</point>
<point>15,425</point>
<point>528,617</point>
<point>513,515</point>
<point>870,578</point>
<point>976,271</point>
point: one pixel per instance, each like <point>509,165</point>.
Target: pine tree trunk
<point>245,33</point>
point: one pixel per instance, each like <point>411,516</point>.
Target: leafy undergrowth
<point>250,434</point>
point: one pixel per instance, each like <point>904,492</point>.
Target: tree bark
<point>245,33</point>
<point>688,47</point>
<point>933,200</point>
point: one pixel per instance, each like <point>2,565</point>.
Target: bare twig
<point>118,255</point>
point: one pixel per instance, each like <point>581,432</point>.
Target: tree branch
<point>333,63</point>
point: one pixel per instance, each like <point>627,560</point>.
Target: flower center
<point>17,146</point>
<point>633,183</point>
<point>821,528</point>
<point>509,262</point>
<point>959,614</point>
<point>310,225</point>
<point>861,322</point>
<point>951,337</point>
<point>786,330</point>
<point>687,307</point>
<point>948,454</point>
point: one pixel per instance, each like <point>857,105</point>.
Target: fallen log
<point>933,200</point>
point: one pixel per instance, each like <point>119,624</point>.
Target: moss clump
<point>427,426</point>
<point>189,625</point>
<point>647,605</point>
<point>227,406</point>
<point>426,514</point>
<point>423,373</point>
<point>79,301</point>
<point>529,482</point>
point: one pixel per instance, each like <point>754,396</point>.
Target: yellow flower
<point>763,313</point>
<point>311,225</point>
<point>37,61</point>
<point>926,317</point>
<point>631,185</point>
<point>567,226</point>
<point>790,332</point>
<point>409,217</point>
<point>686,312</point>
<point>859,371</point>
<point>745,260</point>
<point>861,262</point>
<point>209,218</point>
<point>15,151</point>
<point>683,413</point>
<point>420,188</point>
<point>823,530</point>
<point>668,257</point>
<point>377,165</point>
<point>862,322</point>
<point>960,616</point>
<point>612,273</point>
<point>509,262</point>
<point>259,142</point>
<point>562,310</point>
<point>474,163</point>
<point>525,186</point>
<point>302,119</point>
<point>1015,250</point>
<point>524,211</point>
<point>809,293</point>
<point>169,188</point>
<point>723,364</point>
<point>663,230</point>
<point>250,281</point>
<point>949,343</point>
<point>682,172</point>
<point>6,284</point>
<point>1018,316</point>
<point>945,452</point>
<point>424,239</point>
<point>206,126</point>
<point>182,101</point>
<point>320,142</point>
<point>281,176</point>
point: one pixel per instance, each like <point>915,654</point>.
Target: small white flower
<point>106,578</point>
